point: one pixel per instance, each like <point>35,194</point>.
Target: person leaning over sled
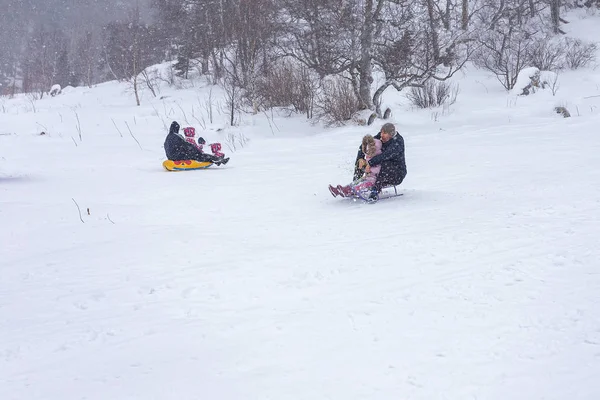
<point>392,161</point>
<point>177,149</point>
<point>371,147</point>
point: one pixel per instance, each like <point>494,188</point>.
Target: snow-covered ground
<point>251,282</point>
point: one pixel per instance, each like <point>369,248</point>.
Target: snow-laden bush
<point>531,79</point>
<point>55,90</point>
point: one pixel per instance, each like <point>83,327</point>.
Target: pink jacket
<point>372,176</point>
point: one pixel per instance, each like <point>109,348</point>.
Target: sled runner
<point>363,195</point>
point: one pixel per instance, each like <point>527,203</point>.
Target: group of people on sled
<point>380,161</point>
<point>189,148</point>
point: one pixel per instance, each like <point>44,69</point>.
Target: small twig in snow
<point>45,129</point>
<point>118,130</point>
<point>159,116</point>
<point>78,210</point>
<point>184,115</point>
<point>108,217</point>
<point>78,125</point>
<point>134,138</point>
<point>269,120</point>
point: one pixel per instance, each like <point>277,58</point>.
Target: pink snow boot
<point>345,191</point>
<point>334,191</point>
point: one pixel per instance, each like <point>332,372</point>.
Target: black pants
<point>206,157</point>
<point>192,153</point>
<point>389,175</point>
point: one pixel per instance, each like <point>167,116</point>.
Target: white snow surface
<point>250,281</point>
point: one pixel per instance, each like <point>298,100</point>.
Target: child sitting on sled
<point>190,137</point>
<point>371,147</point>
<point>178,148</point>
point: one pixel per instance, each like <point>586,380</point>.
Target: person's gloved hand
<point>362,163</point>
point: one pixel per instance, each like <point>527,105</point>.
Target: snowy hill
<point>122,281</point>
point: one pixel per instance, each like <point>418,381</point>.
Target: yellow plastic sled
<point>185,165</point>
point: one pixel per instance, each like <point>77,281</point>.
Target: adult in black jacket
<point>392,159</point>
<point>178,149</point>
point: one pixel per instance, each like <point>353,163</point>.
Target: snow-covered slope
<point>119,280</point>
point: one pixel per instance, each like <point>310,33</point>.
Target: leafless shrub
<point>433,94</point>
<point>337,102</point>
<point>200,118</point>
<point>32,97</point>
<point>185,118</point>
<point>151,78</point>
<point>208,105</point>
<point>289,85</point>
<point>184,83</point>
<point>553,84</point>
<point>579,54</point>
<point>236,141</point>
<point>158,115</point>
<point>504,53</point>
<point>547,56</point>
<point>233,98</point>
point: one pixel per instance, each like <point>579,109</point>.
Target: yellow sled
<point>185,165</point>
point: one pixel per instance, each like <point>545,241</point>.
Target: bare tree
<point>411,50</point>
<point>465,15</point>
<point>128,50</point>
<point>401,38</point>
<point>249,55</point>
<point>507,46</point>
<point>320,34</point>
<point>86,59</point>
<point>232,99</point>
<point>14,25</point>
<point>555,16</point>
<point>45,60</point>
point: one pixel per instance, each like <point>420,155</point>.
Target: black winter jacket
<point>176,148</point>
<point>392,160</point>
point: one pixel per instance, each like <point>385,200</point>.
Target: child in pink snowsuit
<point>371,147</point>
<point>190,137</point>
